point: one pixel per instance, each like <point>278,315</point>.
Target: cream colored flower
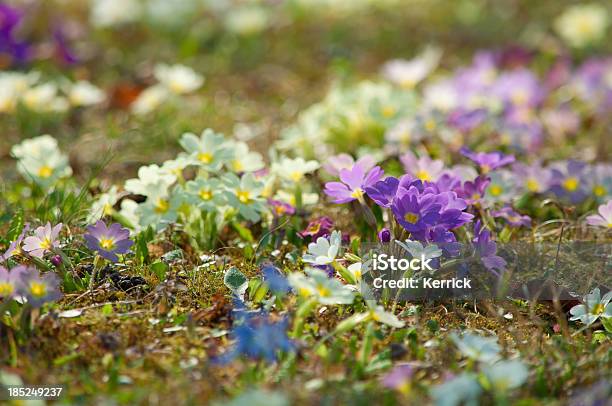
<point>582,24</point>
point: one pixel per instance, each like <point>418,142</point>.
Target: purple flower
<point>474,191</point>
<point>519,87</point>
<point>319,227</point>
<point>399,377</point>
<point>487,160</point>
<point>353,185</point>
<point>38,289</point>
<point>344,161</point>
<point>513,218</point>
<point>10,18</point>
<point>280,208</point>
<point>466,120</point>
<point>15,247</point>
<point>383,191</point>
<point>414,211</point>
<point>423,168</point>
<point>10,282</point>
<point>603,218</point>
<point>568,181</point>
<point>534,178</point>
<point>600,181</point>
<point>486,249</point>
<point>62,48</point>
<point>108,241</point>
<point>45,239</point>
<point>384,235</point>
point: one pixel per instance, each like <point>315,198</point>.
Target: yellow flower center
<point>407,83</point>
<point>162,206</point>
<point>388,111</point>
<point>533,185</point>
<point>304,292</point>
<point>423,175</point>
<point>496,190</point>
<point>237,166</point>
<point>598,308</point>
<point>205,194</point>
<point>412,218</point>
<point>323,291</point>
<point>108,209</point>
<point>485,168</point>
<point>46,243</point>
<point>296,176</point>
<point>519,96</point>
<point>430,125</point>
<point>244,196</point>
<point>107,243</point>
<point>571,184</point>
<point>45,171</point>
<point>38,289</point>
<point>5,289</point>
<point>476,196</point>
<point>357,193</point>
<point>599,191</point>
<point>205,157</point>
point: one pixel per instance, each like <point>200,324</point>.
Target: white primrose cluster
<point>40,160</point>
<point>230,183</point>
<point>28,91</point>
<point>173,81</point>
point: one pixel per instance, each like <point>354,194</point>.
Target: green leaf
<point>16,226</point>
<point>159,268</point>
<point>236,281</point>
<point>243,232</point>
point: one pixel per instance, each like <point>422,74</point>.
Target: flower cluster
<point>26,282</point>
<point>41,161</point>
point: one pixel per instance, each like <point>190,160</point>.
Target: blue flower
<point>275,280</point>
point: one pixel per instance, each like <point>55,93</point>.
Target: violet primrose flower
<point>319,227</point>
<point>568,180</point>
<point>415,212</point>
<point>344,161</point>
<point>10,282</point>
<point>486,249</point>
<point>45,239</point>
<point>108,241</point>
<point>513,218</point>
<point>603,218</point>
<point>474,191</point>
<point>38,289</point>
<point>280,208</point>
<point>353,185</point>
<point>487,161</point>
<point>423,168</point>
<point>15,247</point>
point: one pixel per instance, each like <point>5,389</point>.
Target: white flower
<point>205,194</point>
<point>593,308</point>
<point>326,290</point>
<point>208,151</point>
<point>484,349</point>
<point>244,194</point>
<point>83,93</point>
<point>44,98</point>
<point>40,160</point>
<point>129,211</point>
<point>294,170</point>
<point>583,24</point>
<point>356,270</point>
<point>160,209</point>
<point>12,86</point>
<point>149,99</point>
<point>379,314</point>
<point>324,251</point>
<point>103,206</point>
<point>441,95</point>
<point>179,79</point>
<point>106,13</point>
<point>308,199</point>
<point>505,375</point>
<point>244,160</point>
<point>175,167</point>
<point>246,20</point>
<point>408,73</point>
<point>151,180</point>
<point>417,250</point>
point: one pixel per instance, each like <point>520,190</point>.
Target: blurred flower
<point>44,98</point>
<point>399,377</point>
<point>505,375</point>
<point>486,249</point>
<point>519,88</point>
<point>533,178</point>
<point>247,20</point>
<point>594,306</point>
<point>501,188</point>
<point>477,347</point>
<point>244,194</point>
<point>281,208</point>
<point>441,95</point>
<point>244,160</point>
<point>462,389</point>
<point>294,170</point>
<point>582,24</point>
<point>513,218</point>
<point>178,79</point>
<point>603,218</point>
<point>353,184</point>
<point>159,210</point>
<point>568,180</point>
<point>336,163</point>
<point>418,250</point>
<point>152,180</point>
<point>205,194</point>
<point>149,100</point>
<point>208,151</point>
<point>276,281</point>
<point>423,168</point>
<point>41,160</point>
<point>600,181</point>
<point>108,241</point>
<point>319,227</point>
<point>488,161</point>
<point>10,282</point>
<point>317,284</point>
<point>409,73</point>
<point>103,205</point>
<point>38,289</point>
<point>473,191</point>
<point>10,19</point>
<point>324,251</point>
<point>379,314</point>
<point>45,239</point>
<point>107,13</point>
<point>83,93</point>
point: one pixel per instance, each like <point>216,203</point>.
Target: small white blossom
<point>149,100</point>
<point>83,93</point>
<point>244,194</point>
<point>208,151</point>
<point>294,170</point>
<point>326,290</point>
<point>593,308</point>
<point>151,180</point>
<point>244,160</point>
<point>40,160</point>
<point>179,79</point>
